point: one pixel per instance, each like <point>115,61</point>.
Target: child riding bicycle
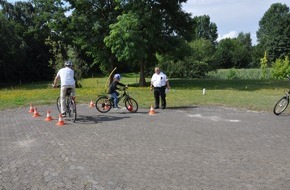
<point>113,89</point>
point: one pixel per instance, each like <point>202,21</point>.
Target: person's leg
<point>156,97</point>
<point>115,99</point>
<point>73,91</point>
<point>62,99</point>
<point>163,97</point>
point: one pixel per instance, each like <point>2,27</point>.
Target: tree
<point>88,25</point>
<point>205,29</point>
<point>29,60</point>
<point>146,28</point>
<point>236,52</point>
<point>274,31</point>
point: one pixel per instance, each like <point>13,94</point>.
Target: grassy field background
<point>253,94</point>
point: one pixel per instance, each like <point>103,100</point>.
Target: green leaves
<point>274,31</point>
<point>281,68</point>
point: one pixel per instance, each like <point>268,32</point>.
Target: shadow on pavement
<point>85,119</point>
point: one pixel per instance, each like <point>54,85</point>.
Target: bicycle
<point>71,109</point>
<point>283,103</point>
<point>105,102</point>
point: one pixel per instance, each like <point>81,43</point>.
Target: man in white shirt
<point>66,76</point>
<point>159,82</point>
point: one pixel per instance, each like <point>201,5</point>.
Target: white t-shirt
<point>159,80</point>
<point>66,76</point>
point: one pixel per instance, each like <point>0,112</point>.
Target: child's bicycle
<point>105,102</point>
<point>71,109</point>
<point>283,103</point>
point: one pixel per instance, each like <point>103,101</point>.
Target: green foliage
<point>264,66</point>
<point>237,74</point>
<point>274,30</point>
<point>281,68</point>
<point>234,52</point>
<point>205,29</point>
<point>232,74</point>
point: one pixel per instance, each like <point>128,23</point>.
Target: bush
<point>237,74</point>
<point>281,68</point>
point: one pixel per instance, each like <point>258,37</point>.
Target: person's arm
<point>167,84</point>
<point>119,84</point>
<point>55,81</point>
<point>151,83</point>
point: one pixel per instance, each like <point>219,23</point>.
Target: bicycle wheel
<point>131,105</point>
<point>58,105</point>
<point>281,105</point>
<point>103,104</point>
<point>72,112</point>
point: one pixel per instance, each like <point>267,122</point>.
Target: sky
<point>230,16</point>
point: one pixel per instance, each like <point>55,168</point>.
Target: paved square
<point>203,148</point>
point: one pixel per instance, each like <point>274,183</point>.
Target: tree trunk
<point>142,81</point>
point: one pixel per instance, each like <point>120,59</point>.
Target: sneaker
<point>63,114</point>
<point>156,107</point>
<point>117,108</point>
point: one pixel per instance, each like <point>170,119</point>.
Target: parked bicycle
<point>71,109</point>
<point>283,103</point>
<point>105,102</point>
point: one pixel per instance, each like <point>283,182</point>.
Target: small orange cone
<point>152,111</point>
<point>35,113</point>
<point>60,121</point>
<point>48,116</point>
<point>92,104</point>
<point>31,109</point>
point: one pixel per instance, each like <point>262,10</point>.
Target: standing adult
<point>66,76</point>
<point>159,83</point>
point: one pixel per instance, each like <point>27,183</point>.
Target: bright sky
<point>230,16</point>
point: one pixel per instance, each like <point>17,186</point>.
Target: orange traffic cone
<point>152,111</point>
<point>31,109</point>
<point>48,116</point>
<point>92,104</point>
<point>60,121</point>
<point>35,113</point>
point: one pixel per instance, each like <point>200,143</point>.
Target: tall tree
<point>234,53</point>
<point>147,28</point>
<point>205,29</point>
<point>32,64</point>
<point>89,24</point>
<point>274,31</point>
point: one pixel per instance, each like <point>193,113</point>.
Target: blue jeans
<point>115,97</point>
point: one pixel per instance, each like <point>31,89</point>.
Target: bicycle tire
<point>281,105</point>
<point>58,105</point>
<point>131,105</point>
<point>104,104</point>
<point>72,110</point>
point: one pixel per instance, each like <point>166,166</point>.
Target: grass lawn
<point>259,95</point>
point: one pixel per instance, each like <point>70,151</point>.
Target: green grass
<point>260,95</point>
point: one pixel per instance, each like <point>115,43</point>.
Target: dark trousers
<point>159,92</point>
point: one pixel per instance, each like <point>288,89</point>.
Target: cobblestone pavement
<point>203,148</point>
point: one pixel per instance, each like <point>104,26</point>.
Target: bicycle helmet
<point>117,76</point>
<point>68,63</point>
